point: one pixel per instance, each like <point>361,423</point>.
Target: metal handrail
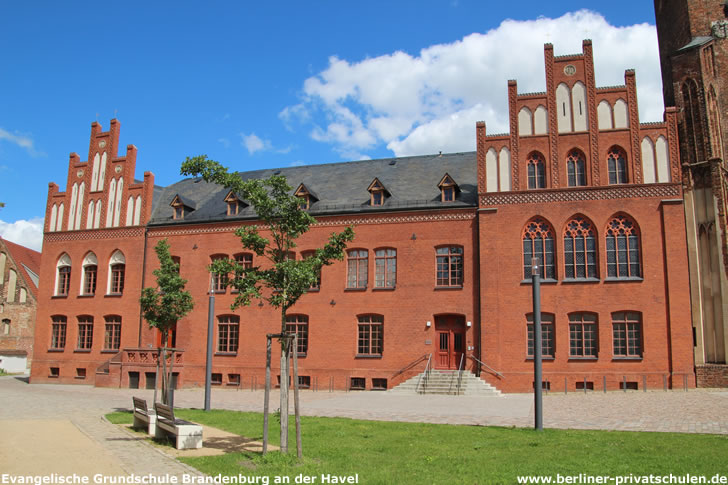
<point>410,365</point>
<point>492,370</point>
<point>460,373</point>
<point>426,375</point>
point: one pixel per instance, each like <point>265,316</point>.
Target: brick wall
<point>712,375</point>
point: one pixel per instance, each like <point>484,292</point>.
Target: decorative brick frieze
<point>598,193</point>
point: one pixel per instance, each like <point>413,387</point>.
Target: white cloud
<point>225,142</point>
<point>22,141</point>
<point>430,102</point>
<point>253,143</point>
<point>26,233</point>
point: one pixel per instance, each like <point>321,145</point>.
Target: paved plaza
<point>60,428</point>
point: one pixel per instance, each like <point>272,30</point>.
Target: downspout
<point>479,346</point>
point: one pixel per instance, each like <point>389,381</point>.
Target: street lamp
<point>537,364</point>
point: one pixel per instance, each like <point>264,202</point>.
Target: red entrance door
<point>450,341</point>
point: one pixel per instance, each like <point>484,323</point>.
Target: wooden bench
<point>143,416</point>
<point>187,435</point>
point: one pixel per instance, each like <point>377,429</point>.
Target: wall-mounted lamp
<point>332,302</point>
<point>469,324</point>
<point>414,237</point>
<point>260,304</point>
<point>194,247</point>
<point>429,324</point>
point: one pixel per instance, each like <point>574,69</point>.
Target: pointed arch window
<point>617,166</point>
<point>90,271</point>
<point>580,253</point>
<point>63,275</point>
<point>623,248</point>
<point>117,270</point>
<point>536,171</point>
<point>538,242</point>
<point>576,168</point>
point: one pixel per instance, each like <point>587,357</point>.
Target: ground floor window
<point>371,335</point>
<point>112,333</point>
<point>58,335</point>
<point>547,335</point>
<point>583,335</point>
<point>85,333</point>
<point>627,334</point>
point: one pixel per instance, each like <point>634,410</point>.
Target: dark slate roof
<point>695,42</point>
<point>341,188</point>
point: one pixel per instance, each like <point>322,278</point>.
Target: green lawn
<point>395,453</point>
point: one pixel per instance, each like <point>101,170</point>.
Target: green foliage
<point>281,214</point>
<point>165,305</point>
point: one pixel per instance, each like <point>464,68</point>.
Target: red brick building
<point>439,266</point>
<point>19,270</point>
<point>693,37</point>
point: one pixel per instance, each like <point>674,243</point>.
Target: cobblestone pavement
<point>696,411</point>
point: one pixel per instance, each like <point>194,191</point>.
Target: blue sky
<point>263,84</point>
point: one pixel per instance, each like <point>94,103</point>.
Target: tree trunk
<point>284,384</point>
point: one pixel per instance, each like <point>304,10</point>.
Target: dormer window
<point>448,189</point>
<point>306,196</point>
<point>234,205</point>
<point>181,206</point>
<point>378,193</point>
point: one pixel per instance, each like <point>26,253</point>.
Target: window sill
<point>356,289</point>
<point>454,287</point>
<point>578,357</point>
<point>612,279</point>
<point>545,357</point>
<point>544,281</point>
<point>233,384</point>
<point>80,377</point>
<point>384,288</point>
<point>110,351</point>
<point>301,356</point>
<point>56,350</point>
<point>366,356</point>
<point>59,296</point>
<point>82,351</point>
<point>313,290</point>
<point>113,295</point>
<point>86,295</point>
<point>580,280</point>
<point>228,354</point>
<point>638,359</point>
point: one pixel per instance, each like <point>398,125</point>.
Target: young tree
<point>164,306</point>
<point>285,280</point>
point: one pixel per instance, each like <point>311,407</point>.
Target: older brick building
<point>693,37</point>
<point>439,268</point>
<point>19,270</point>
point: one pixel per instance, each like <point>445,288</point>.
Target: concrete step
<point>446,382</point>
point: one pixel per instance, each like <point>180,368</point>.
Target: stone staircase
<point>446,382</point>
